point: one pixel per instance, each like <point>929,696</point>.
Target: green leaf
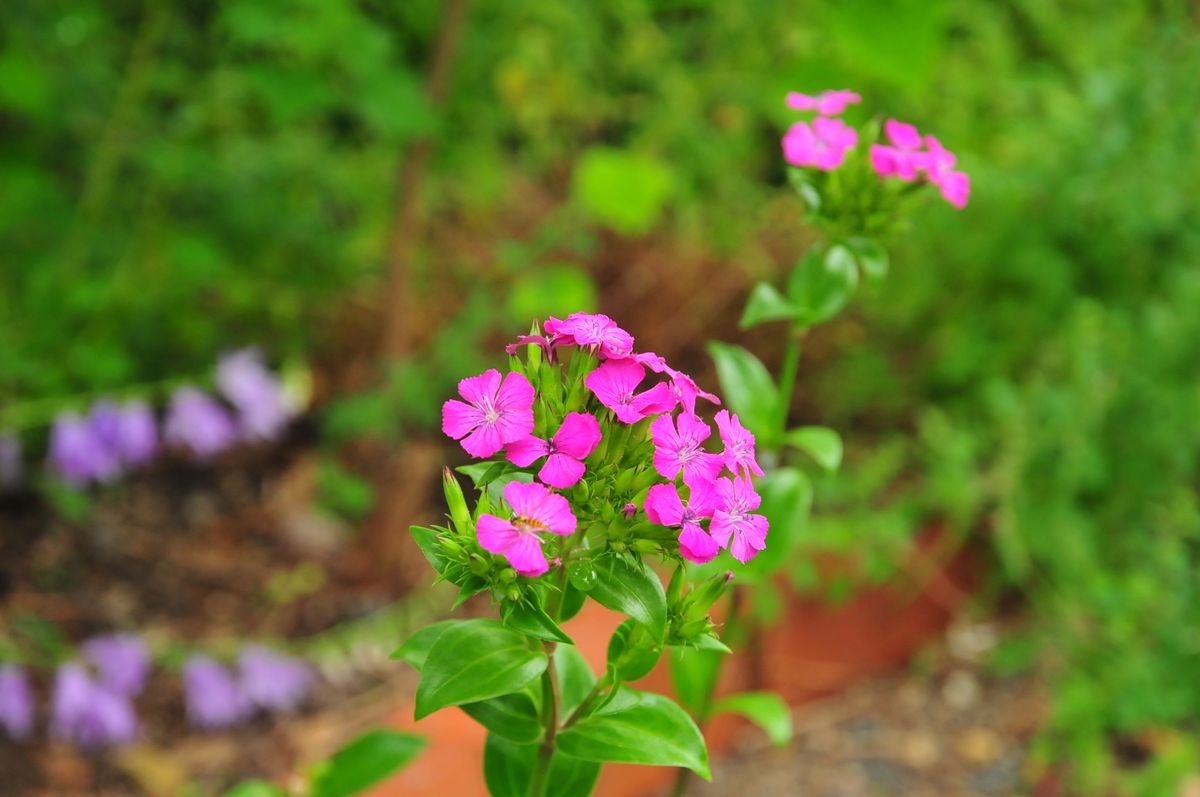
<point>508,770</point>
<point>256,788</point>
<point>786,500</point>
<point>515,716</point>
<point>694,673</point>
<point>821,443</point>
<point>632,652</point>
<point>572,601</point>
<point>475,660</point>
<point>748,387</point>
<point>427,541</point>
<point>638,728</point>
<point>416,647</point>
<point>872,257</point>
<point>765,709</point>
<point>632,589</point>
<point>622,190</point>
<point>531,620</point>
<point>765,304</point>
<point>821,286</point>
<point>710,642</point>
<point>364,762</point>
<point>575,678</point>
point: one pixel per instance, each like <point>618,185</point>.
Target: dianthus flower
<point>614,383</point>
<point>88,715</point>
<point>683,386</point>
<point>77,452</point>
<point>572,443</point>
<point>212,695</point>
<point>733,524</point>
<point>739,445</point>
<point>664,507</point>
<point>593,331</point>
<point>535,510</point>
<point>827,103</point>
<point>16,702</point>
<point>678,447</point>
<point>495,414</point>
<point>197,422</point>
<point>272,680</point>
<point>122,662</point>
<point>905,159</point>
<point>821,145</point>
<point>255,392</point>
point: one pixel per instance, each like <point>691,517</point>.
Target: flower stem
<point>541,772</point>
<point>787,378</point>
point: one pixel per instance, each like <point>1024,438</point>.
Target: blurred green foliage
<point>182,178</point>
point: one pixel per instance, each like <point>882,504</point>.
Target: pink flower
<point>664,507</point>
<point>575,439</point>
<point>823,145</point>
<point>906,159</point>
<point>683,386</point>
<point>614,383</point>
<point>739,445</point>
<point>496,414</point>
<point>902,134</point>
<point>679,448</point>
<point>598,332</point>
<point>535,510</point>
<point>733,524</point>
<point>895,162</point>
<point>827,103</point>
<point>955,188</point>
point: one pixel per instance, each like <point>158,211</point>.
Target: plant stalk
<point>550,700</point>
<point>787,378</point>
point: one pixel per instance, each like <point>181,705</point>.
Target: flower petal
<point>526,451</point>
<point>484,441</point>
<point>663,505</point>
<point>695,545</point>
<point>526,557</point>
<point>561,471</point>
<point>475,389</point>
<point>495,534</point>
<point>515,393</point>
<point>459,419</point>
<point>578,436</point>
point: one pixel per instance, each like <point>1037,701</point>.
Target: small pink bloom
<point>902,134</point>
<point>822,145</point>
<point>592,330</point>
<point>664,507</point>
<point>614,383</point>
<point>565,452</point>
<point>938,159</point>
<point>683,386</point>
<point>733,524</point>
<point>895,162</point>
<point>679,448</point>
<point>827,103</point>
<point>495,414</point>
<point>739,445</point>
<point>546,344</point>
<point>955,188</point>
<point>535,510</point>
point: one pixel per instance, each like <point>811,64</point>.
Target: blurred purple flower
<point>78,454</point>
<point>87,714</point>
<point>196,421</point>
<point>16,702</point>
<point>255,391</point>
<point>127,430</point>
<point>273,680</point>
<point>122,661</point>
<point>10,460</point>
<point>212,694</point>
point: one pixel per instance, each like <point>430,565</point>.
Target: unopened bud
<point>513,593</point>
<point>629,510</point>
<point>619,546</point>
<point>478,566</point>
<point>645,546</point>
<point>675,588</point>
<point>701,599</point>
<point>508,575</point>
<point>460,516</point>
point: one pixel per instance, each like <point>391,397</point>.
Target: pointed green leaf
<point>820,286</point>
<point>634,590</point>
<point>632,652</point>
<point>821,443</point>
<point>427,541</point>
<point>531,620</point>
<point>694,674</point>
<point>765,304</point>
<point>638,728</point>
<point>747,386</point>
<point>515,716</point>
<point>364,762</point>
<point>508,770</point>
<point>575,678</point>
<point>416,647</point>
<point>765,709</point>
<point>872,257</point>
<point>475,660</point>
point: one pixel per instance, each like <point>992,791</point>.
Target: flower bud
<point>629,510</point>
<point>508,575</point>
<point>513,593</point>
<point>619,546</point>
<point>478,566</point>
<point>700,600</point>
<point>451,548</point>
<point>675,588</point>
<point>460,515</point>
<point>645,546</point>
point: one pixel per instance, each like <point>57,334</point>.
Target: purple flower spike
<point>78,454</point>
<point>212,695</point>
<point>16,702</point>
<point>199,423</point>
<point>10,461</point>
<point>122,660</point>
<point>256,392</point>
<point>273,680</point>
<point>88,715</point>
<point>127,430</point>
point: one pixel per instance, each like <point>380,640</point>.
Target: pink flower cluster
<point>823,144</point>
<point>497,414</point>
<point>910,155</point>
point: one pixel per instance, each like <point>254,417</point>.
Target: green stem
<point>550,700</point>
<point>787,378</point>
